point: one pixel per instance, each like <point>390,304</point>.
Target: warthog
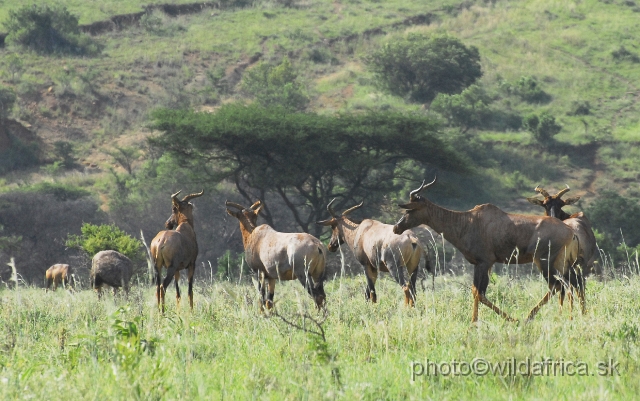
<point>111,268</point>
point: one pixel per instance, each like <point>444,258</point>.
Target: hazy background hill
<point>73,147</point>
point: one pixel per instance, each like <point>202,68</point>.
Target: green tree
<point>543,127</point>
<point>419,67</point>
<point>15,66</point>
<point>46,29</point>
<point>304,158</point>
<point>125,156</point>
<point>275,85</point>
<point>96,238</point>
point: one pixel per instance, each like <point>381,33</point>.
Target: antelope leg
<point>482,299</point>
<point>552,291</point>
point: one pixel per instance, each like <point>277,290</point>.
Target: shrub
<point>60,192</point>
<point>543,127</point>
<point>528,89</point>
<point>579,108</point>
<point>275,86</point>
<point>105,237</point>
<point>616,217</point>
<point>419,67</point>
<point>63,151</point>
<point>47,29</point>
<point>622,54</point>
<point>466,110</point>
<point>7,100</point>
<point>19,155</point>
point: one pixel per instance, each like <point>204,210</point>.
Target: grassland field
<point>70,345</point>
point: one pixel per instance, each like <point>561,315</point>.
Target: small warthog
<point>58,274</point>
<point>111,268</point>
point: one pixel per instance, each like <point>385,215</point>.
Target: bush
<point>19,155</point>
<point>105,237</point>
<point>466,110</point>
<point>60,192</point>
<point>580,108</point>
<point>275,86</point>
<point>7,100</point>
<point>616,217</point>
<point>528,89</point>
<point>419,67</point>
<point>47,29</point>
<point>63,151</point>
<point>622,54</point>
<point>542,127</point>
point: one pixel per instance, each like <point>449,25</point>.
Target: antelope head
<point>181,210</point>
<point>248,217</point>
<point>337,235</point>
<point>416,202</point>
<point>553,204</point>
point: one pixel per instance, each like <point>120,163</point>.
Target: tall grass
<point>70,345</point>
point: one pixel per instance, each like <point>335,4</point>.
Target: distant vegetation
<point>419,67</point>
<point>47,29</point>
<point>520,95</point>
<point>104,237</point>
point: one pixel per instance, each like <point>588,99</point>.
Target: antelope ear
<point>410,205</point>
<point>536,201</point>
<point>231,213</point>
<point>255,205</point>
<point>325,222</point>
<point>571,201</point>
<point>257,209</point>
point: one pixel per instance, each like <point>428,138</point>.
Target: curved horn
<point>415,192</point>
<point>174,197</point>
<point>541,191</point>
<point>352,208</point>
<point>564,191</point>
<point>237,205</point>
<point>330,209</point>
<point>191,196</point>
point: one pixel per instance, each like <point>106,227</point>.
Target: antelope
<point>377,248</point>
<point>56,275</point>
<point>553,205</point>
<point>486,235</point>
<point>284,256</point>
<point>176,249</point>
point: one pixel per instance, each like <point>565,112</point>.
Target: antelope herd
<point>562,246</point>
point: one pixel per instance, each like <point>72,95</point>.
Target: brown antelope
<point>280,256</point>
<point>57,274</point>
<point>176,250</point>
<point>578,222</point>
<point>377,248</point>
<point>486,235</point>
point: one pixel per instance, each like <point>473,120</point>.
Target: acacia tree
<point>304,158</point>
<point>419,67</point>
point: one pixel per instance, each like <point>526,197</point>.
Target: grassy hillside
<point>583,55</point>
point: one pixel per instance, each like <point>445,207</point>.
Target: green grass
<point>70,345</point>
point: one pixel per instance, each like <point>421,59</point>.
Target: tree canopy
<point>305,158</point>
<point>419,67</point>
